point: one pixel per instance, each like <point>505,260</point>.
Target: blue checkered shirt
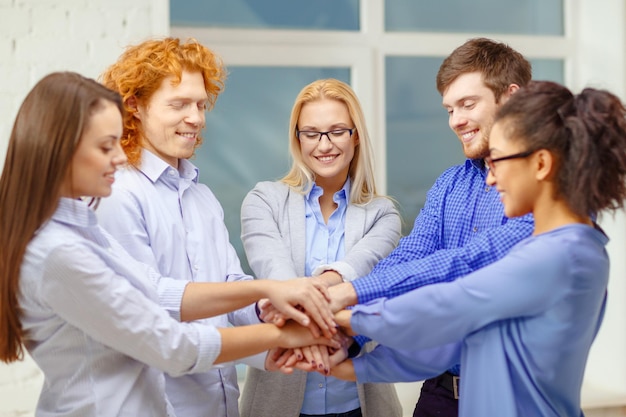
<point>461,228</point>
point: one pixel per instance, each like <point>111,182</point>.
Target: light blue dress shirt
<point>521,327</point>
<point>164,217</point>
<point>93,324</point>
<point>324,245</point>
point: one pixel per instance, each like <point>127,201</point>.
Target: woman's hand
<point>305,300</point>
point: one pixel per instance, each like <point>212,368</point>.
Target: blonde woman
<point>325,220</point>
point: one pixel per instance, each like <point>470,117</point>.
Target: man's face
<point>471,107</point>
<point>174,117</point>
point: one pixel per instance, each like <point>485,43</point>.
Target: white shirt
<point>94,327</point>
<point>164,217</point>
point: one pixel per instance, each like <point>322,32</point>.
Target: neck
<point>330,187</point>
<point>554,215</point>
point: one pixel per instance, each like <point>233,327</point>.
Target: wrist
<point>331,277</point>
<point>347,294</point>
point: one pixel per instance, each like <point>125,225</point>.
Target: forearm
<point>242,341</point>
<point>203,299</point>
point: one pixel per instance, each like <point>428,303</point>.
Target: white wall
<point>41,36</point>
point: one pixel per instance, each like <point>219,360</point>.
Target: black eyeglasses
<point>335,135</point>
<point>491,162</point>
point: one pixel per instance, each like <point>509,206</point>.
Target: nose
<point>195,116</point>
<point>457,119</point>
<point>120,156</point>
<point>324,143</point>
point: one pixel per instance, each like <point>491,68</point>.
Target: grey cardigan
<point>273,235</point>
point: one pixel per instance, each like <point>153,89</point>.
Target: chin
<point>476,150</point>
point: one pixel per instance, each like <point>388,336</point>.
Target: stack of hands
<point>307,302</point>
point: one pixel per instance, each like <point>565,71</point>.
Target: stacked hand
<point>308,301</point>
<point>318,358</point>
<point>305,300</point>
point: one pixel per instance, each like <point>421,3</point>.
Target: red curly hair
<point>141,69</point>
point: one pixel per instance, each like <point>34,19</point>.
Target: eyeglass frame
<point>343,129</point>
<point>491,162</point>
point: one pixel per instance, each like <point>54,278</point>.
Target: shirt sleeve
<point>121,216</point>
<point>522,284</point>
<point>86,293</point>
<point>424,237</point>
<point>385,364</point>
<point>443,265</point>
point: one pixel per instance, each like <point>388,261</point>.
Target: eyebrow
<point>337,125</point>
<point>461,100</point>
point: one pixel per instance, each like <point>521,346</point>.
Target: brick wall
<point>41,36</point>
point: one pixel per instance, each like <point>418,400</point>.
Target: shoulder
<point>459,172</point>
<point>269,191</point>
<point>271,187</point>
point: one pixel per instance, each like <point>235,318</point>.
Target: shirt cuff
<point>170,293</point>
<point>209,348</point>
<point>345,270</point>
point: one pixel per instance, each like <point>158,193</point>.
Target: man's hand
<point>342,318</point>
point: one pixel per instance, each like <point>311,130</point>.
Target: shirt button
<point>321,385</point>
<point>487,188</point>
<point>475,229</point>
<point>171,173</point>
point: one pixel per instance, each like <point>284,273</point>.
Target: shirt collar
<point>74,212</point>
<point>478,164</point>
<point>342,195</point>
<point>153,167</point>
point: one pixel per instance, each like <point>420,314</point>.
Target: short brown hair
<point>499,64</point>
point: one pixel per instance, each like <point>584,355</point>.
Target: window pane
<point>420,145</point>
<point>246,140</point>
<point>269,14</point>
<point>528,17</point>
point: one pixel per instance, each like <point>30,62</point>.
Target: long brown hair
<point>45,135</point>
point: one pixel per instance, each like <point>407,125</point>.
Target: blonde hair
<point>361,171</point>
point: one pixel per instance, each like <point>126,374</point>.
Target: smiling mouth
<point>190,136</point>
<point>328,158</point>
<point>468,136</point>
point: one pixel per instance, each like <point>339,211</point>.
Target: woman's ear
<point>545,164</point>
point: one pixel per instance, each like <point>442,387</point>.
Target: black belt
<point>450,382</point>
